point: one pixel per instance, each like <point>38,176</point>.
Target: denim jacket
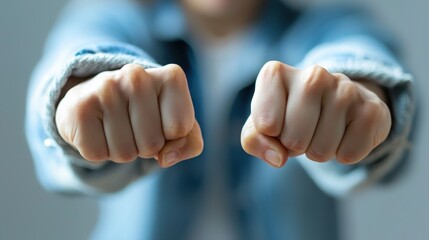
<point>139,200</point>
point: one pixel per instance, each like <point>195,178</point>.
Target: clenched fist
<point>128,113</point>
<point>316,113</point>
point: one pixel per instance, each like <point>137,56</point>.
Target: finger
<point>368,127</point>
<point>177,111</point>
<point>269,100</point>
<point>355,145</point>
<point>144,115</point>
<point>89,137</point>
<point>264,147</point>
<point>329,131</point>
<point>183,148</point>
<point>117,126</point>
<point>303,109</point>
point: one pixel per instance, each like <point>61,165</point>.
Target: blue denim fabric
<point>139,201</point>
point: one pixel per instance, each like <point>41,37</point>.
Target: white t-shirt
<point>217,61</point>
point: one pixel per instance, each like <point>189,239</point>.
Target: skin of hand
<point>316,113</point>
<point>128,113</point>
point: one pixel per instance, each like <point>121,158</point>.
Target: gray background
<point>399,211</point>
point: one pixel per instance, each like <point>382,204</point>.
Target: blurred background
<point>399,211</point>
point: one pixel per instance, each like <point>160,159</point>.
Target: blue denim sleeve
<point>90,37</point>
<point>352,44</point>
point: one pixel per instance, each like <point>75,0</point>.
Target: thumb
<point>264,147</point>
<point>177,150</point>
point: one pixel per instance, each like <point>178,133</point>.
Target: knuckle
<point>317,70</point>
<point>134,75</point>
<point>132,70</point>
<point>271,69</point>
<point>150,149</point>
<point>134,83</point>
<point>347,157</point>
<point>136,86</point>
<point>316,77</point>
<point>109,93</point>
<point>347,89</point>
<point>177,129</point>
<point>267,125</point>
<point>95,156</point>
<point>318,155</point>
<point>109,87</point>
<point>124,156</point>
<point>295,145</point>
<point>175,73</point>
<point>341,76</point>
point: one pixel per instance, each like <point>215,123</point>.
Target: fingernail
<point>170,158</point>
<point>273,157</point>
